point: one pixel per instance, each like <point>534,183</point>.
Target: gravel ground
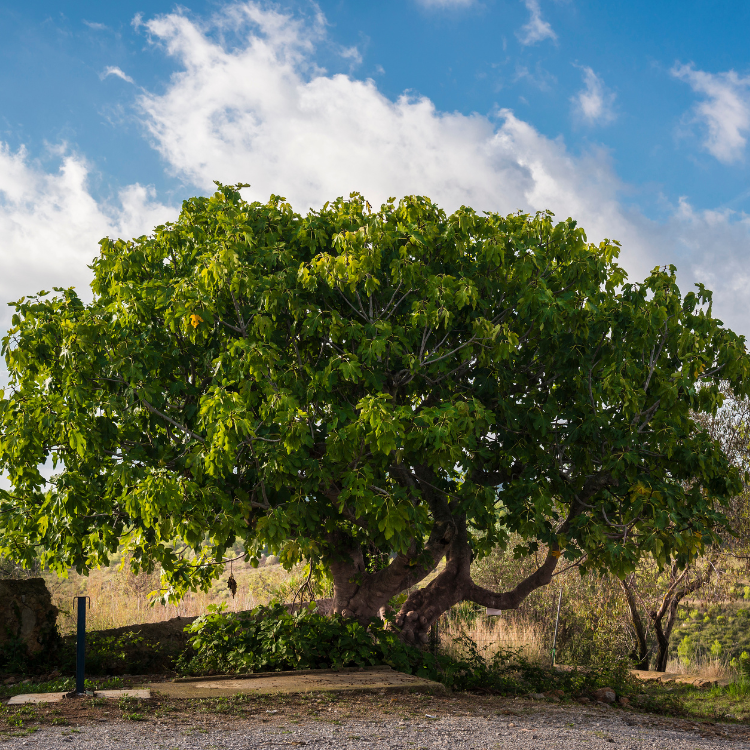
<point>549,727</point>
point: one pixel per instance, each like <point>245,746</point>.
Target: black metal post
<point>81,646</point>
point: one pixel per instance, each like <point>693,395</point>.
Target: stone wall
<point>26,613</point>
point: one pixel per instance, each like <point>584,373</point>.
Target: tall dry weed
<point>492,635</point>
<point>707,668</point>
<point>119,598</point>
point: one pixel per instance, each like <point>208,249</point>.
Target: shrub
<point>686,650</point>
<point>273,639</point>
<point>744,664</point>
<point>15,657</point>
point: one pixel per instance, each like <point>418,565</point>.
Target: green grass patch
<point>718,631</point>
<point>730,703</point>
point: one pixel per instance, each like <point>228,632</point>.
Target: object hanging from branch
<point>231,582</point>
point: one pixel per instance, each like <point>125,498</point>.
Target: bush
<point>15,657</point>
<point>686,650</point>
<point>273,639</point>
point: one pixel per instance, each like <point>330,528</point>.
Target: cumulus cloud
<point>261,112</point>
<point>113,70</point>
<point>725,111</point>
<point>594,103</point>
<point>50,224</point>
<point>537,29</point>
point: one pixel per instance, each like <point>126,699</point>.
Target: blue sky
<point>631,117</point>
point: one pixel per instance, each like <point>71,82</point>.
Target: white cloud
<point>261,112</point>
<point>50,224</point>
<point>96,26</point>
<point>594,103</point>
<point>537,29</point>
<point>113,70</point>
<point>257,114</point>
<point>353,54</point>
<point>725,112</point>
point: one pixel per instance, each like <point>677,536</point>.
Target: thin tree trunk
<point>670,603</point>
<point>641,652</point>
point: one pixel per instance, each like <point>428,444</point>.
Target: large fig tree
<point>350,385</point>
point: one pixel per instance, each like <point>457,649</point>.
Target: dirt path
<point>413,721</point>
<point>555,729</point>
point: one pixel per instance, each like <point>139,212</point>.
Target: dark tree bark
<point>641,653</point>
<point>679,588</point>
<point>363,594</point>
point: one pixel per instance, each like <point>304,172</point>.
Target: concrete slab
<point>315,680</point>
<point>18,700</point>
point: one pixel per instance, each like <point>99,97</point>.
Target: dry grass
<point>492,635</point>
<point>707,669</point>
<point>120,598</point>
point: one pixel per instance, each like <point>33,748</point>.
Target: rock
<point>605,695</point>
<point>536,696</point>
<point>27,614</point>
<point>554,695</point>
<point>584,699</point>
<point>12,680</point>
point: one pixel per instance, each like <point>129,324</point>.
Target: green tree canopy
<point>400,380</point>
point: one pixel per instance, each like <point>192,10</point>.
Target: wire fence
<point>512,632</point>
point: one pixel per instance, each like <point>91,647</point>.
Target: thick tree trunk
<point>641,652</point>
<point>362,594</point>
<point>423,607</point>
